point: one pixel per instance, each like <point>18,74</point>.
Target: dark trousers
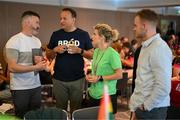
<point>173,113</point>
<point>72,91</point>
<point>96,102</point>
<point>26,100</point>
<point>156,113</point>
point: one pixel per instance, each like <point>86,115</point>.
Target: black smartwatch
<point>82,51</point>
<point>101,78</point>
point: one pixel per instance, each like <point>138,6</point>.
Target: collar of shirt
<point>149,41</point>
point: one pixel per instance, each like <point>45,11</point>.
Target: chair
<point>46,113</point>
<point>122,87</point>
<point>86,113</point>
<point>175,93</point>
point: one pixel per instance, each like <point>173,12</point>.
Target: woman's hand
<point>92,78</point>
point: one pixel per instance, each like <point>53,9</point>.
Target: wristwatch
<point>82,51</point>
<point>101,78</point>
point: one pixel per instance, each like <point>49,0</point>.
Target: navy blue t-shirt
<point>69,67</point>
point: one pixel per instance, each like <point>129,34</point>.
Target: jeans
<point>26,100</point>
<point>156,113</point>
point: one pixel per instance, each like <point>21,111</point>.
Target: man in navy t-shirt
<point>71,44</point>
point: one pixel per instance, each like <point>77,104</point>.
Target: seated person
<point>176,63</point>
<point>134,44</point>
<point>176,78</point>
<point>117,45</point>
<point>126,62</point>
<point>127,56</point>
<point>174,109</point>
<point>175,93</point>
<point>5,94</point>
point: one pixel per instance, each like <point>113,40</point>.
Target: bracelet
<point>101,78</point>
<point>82,51</point>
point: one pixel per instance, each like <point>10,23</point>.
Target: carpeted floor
<point>123,110</point>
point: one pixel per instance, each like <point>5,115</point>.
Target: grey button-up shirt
<point>153,81</point>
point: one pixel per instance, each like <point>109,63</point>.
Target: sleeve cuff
<point>146,107</point>
<point>132,109</point>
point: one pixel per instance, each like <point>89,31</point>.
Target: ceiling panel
<point>160,6</point>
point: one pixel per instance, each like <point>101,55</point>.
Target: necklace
<point>97,60</point>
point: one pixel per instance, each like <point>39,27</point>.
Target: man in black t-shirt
<point>71,44</point>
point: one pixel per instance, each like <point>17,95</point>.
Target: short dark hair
<point>149,15</point>
<point>127,45</point>
<point>73,12</point>
<point>30,13</point>
<point>133,42</point>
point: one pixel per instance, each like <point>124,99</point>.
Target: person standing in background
<point>150,98</point>
<point>24,83</point>
<point>71,44</point>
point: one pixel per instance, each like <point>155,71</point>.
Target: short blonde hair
<point>107,31</point>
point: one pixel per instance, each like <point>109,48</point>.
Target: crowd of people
<point>148,57</point>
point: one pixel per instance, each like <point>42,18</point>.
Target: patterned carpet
<point>123,110</point>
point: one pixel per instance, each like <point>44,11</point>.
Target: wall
<point>10,14</point>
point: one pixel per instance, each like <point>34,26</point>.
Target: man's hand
<point>38,59</point>
<point>133,116</point>
<point>41,66</point>
<point>74,50</point>
<point>60,49</point>
<point>142,107</point>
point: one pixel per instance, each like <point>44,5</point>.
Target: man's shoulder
<point>15,37</point>
<point>160,43</point>
<point>81,30</point>
<point>77,30</point>
<point>36,38</point>
<point>58,31</point>
<point>14,40</point>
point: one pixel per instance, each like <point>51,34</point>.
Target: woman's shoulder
<point>112,51</point>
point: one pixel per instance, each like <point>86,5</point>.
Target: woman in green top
<point>106,65</point>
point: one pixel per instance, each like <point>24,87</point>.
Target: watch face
<point>82,51</point>
<point>89,71</point>
<point>101,78</point>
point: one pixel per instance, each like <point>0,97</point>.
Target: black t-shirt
<point>69,67</point>
<point>45,77</point>
<point>136,57</point>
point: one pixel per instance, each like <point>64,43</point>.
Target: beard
<point>141,34</point>
<point>35,30</point>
